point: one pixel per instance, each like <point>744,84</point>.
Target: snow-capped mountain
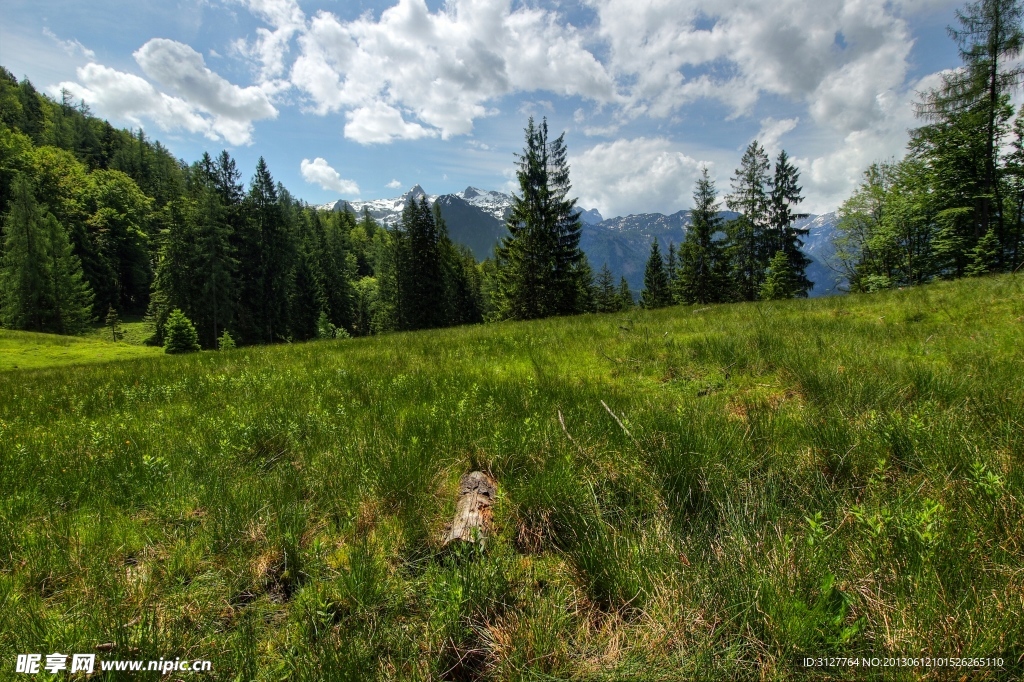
<point>493,203</point>
<point>476,218</point>
<point>387,212</point>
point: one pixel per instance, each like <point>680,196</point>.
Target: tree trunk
<point>473,510</point>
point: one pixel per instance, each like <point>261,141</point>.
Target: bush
<point>179,334</point>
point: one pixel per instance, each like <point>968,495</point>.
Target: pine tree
<point>42,287</point>
<point>702,274</point>
<point>746,247</point>
<point>671,266</point>
<point>180,335</point>
<point>782,235</point>
<point>989,40</point>
<point>656,292</point>
<point>225,342</point>
<point>24,297</point>
<point>423,295</point>
<point>265,257</point>
<point>113,323</point>
<point>460,276</point>
<point>626,301</point>
<point>607,299</point>
<point>541,269</point>
<point>781,280</point>
<point>71,295</point>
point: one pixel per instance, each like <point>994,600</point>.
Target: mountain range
<point>476,218</point>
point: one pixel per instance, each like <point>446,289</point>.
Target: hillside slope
<point>687,493</point>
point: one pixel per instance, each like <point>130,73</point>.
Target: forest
<point>101,223</point>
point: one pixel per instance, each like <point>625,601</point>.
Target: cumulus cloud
<point>836,56</point>
<point>319,172</point>
<point>380,123</point>
<point>394,184</point>
<point>202,101</point>
<point>270,47</point>
<point>127,96</point>
<point>633,176</point>
<point>443,67</point>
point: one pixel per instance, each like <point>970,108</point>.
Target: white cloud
<point>319,172</point>
<point>831,176</point>
<point>442,67</point>
<point>836,56</point>
<point>271,47</point>
<point>772,131</point>
<point>203,102</point>
<point>128,97</point>
<point>72,47</point>
<point>380,123</point>
<point>394,184</point>
<point>642,175</point>
<point>184,71</point>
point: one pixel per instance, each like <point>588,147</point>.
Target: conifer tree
<point>989,40</point>
<point>656,293</point>
<point>985,255</point>
<point>461,279</point>
<point>541,269</point>
<point>626,301</point>
<point>671,266</point>
<point>781,280</point>
<point>746,247</point>
<point>702,275</point>
<point>225,342</point>
<point>423,295</point>
<point>23,270</point>
<point>607,298</point>
<point>782,235</point>
<point>41,283</point>
<point>265,258</point>
<point>113,323</point>
<point>180,335</point>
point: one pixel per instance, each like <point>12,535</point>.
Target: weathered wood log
<point>473,510</point>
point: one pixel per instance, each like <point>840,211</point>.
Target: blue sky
<point>363,99</point>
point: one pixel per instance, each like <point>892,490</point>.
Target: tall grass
<point>683,493</point>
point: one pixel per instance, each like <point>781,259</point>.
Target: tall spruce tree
<point>747,251</point>
<point>265,257</point>
<point>782,234</point>
<point>541,269</point>
<point>23,270</point>
<point>702,275</point>
<point>41,283</point>
<point>656,293</point>
<point>71,297</point>
<point>423,295</point>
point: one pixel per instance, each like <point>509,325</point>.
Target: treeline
<point>954,206</point>
<point>99,221</point>
<point>755,256</point>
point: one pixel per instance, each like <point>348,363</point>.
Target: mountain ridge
<point>476,218</point>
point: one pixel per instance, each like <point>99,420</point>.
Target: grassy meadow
<point>838,476</point>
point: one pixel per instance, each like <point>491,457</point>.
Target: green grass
<point>840,476</point>
<point>133,330</point>
<point>28,350</point>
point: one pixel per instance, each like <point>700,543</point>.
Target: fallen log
<point>473,511</point>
